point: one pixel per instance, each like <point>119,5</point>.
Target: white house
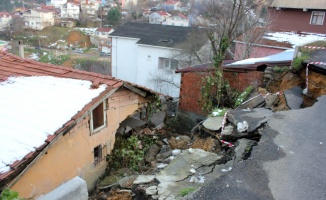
<point>38,18</point>
<point>5,20</point>
<point>177,20</point>
<point>89,8</point>
<point>55,3</point>
<point>70,10</point>
<point>104,41</point>
<point>142,53</point>
<point>158,17</point>
<point>171,5</point>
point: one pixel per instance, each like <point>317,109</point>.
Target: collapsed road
<point>288,163</point>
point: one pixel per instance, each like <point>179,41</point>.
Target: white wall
<point>148,68</point>
<point>124,58</point>
<point>140,63</point>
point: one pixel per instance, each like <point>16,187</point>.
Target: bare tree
<point>223,22</point>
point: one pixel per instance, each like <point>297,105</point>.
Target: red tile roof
<point>171,2</point>
<point>101,29</point>
<point>162,13</point>
<point>4,14</point>
<point>12,65</point>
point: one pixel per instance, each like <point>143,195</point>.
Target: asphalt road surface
<point>289,162</point>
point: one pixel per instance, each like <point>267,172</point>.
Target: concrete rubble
<point>188,161</point>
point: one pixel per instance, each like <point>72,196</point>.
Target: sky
<point>32,108</point>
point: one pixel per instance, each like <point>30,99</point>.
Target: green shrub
<point>185,191</point>
<point>243,96</point>
<point>280,69</point>
<point>9,195</point>
<point>297,62</point>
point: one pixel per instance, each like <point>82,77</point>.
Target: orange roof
<point>2,14</point>
<point>162,13</point>
<point>12,65</point>
<point>101,29</point>
<point>15,66</point>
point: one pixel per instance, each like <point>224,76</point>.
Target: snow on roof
<point>283,56</point>
<point>295,39</point>
<point>32,108</point>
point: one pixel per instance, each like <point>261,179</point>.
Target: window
<point>317,18</point>
<point>99,153</point>
<point>168,63</point>
<point>98,118</point>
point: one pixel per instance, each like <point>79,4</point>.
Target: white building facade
<point>5,20</point>
<point>70,10</point>
<point>38,19</point>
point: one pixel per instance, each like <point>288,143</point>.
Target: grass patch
<point>297,62</point>
<point>280,69</point>
<point>185,191</point>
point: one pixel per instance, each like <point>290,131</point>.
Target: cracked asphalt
<point>288,163</point>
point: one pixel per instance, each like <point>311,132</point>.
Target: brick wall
<point>191,82</point>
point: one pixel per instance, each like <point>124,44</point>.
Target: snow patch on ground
<point>295,39</point>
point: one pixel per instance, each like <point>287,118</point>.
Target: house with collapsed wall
<point>57,123</point>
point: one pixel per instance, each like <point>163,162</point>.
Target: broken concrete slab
<point>132,122</point>
<point>158,118</point>
<point>179,168</point>
<point>126,182</point>
<point>152,190</point>
<point>257,101</point>
<point>213,123</point>
<point>144,179</point>
<point>255,118</point>
<point>242,151</point>
<point>294,97</point>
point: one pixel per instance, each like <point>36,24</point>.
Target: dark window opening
<point>98,116</point>
<point>99,153</point>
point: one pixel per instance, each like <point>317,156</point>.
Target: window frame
<point>168,63</point>
<point>315,15</point>
<point>97,129</point>
<point>101,155</point>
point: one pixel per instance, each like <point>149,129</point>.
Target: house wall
<point>191,82</point>
<point>124,59</point>
<point>256,51</point>
<point>72,154</point>
<point>295,20</point>
<point>175,21</point>
<point>5,22</point>
<point>138,63</point>
<point>148,68</point>
<point>38,20</point>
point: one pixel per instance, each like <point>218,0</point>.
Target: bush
<point>9,195</point>
<point>185,191</point>
<point>243,96</point>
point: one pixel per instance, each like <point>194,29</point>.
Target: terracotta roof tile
<point>12,65</point>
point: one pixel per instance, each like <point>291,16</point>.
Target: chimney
<point>21,49</point>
